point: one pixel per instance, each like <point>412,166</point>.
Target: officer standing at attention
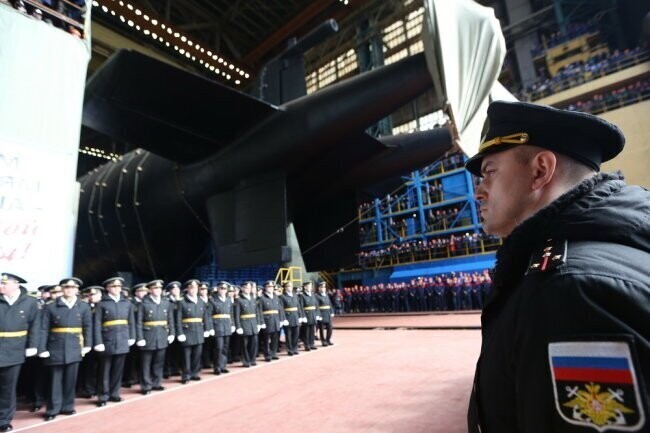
<point>325,313</point>
<point>294,315</point>
<point>273,317</point>
<point>566,330</point>
<point>208,344</point>
<point>247,319</point>
<point>155,330</point>
<point>66,336</point>
<point>87,377</point>
<point>114,330</point>
<point>223,324</point>
<point>174,353</point>
<point>19,337</point>
<point>193,325</point>
<point>309,305</point>
<point>132,361</point>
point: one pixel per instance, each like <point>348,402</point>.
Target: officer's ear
<point>542,165</point>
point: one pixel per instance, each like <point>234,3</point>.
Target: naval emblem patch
<point>595,385</point>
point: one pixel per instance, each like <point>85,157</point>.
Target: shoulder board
<point>551,255</point>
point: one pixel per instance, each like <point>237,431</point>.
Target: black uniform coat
<point>243,307</point>
<point>294,312</point>
<point>272,312</point>
<point>155,334</point>
<point>193,331</point>
<point>23,315</point>
<point>309,305</point>
<point>65,348</point>
<point>324,307</point>
<point>222,325</point>
<point>114,338</point>
<point>595,295</point>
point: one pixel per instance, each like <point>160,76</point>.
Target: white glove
<point>285,323</point>
<point>263,326</point>
<point>182,338</point>
<point>31,352</point>
<point>206,334</point>
<point>232,329</point>
<point>259,327</point>
<point>99,348</point>
<point>212,332</point>
<point>240,331</point>
<point>302,320</point>
<point>141,343</point>
<point>45,354</point>
<point>332,315</point>
<point>131,341</point>
<point>170,339</point>
<point>319,318</point>
<point>84,351</point>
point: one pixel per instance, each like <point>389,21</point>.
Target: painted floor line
<point>203,381</point>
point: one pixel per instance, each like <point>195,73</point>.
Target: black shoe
<point>225,370</point>
<point>253,364</point>
<point>158,388</point>
<point>314,348</point>
<point>246,365</point>
<point>184,381</point>
<point>195,378</point>
<point>86,395</point>
<point>330,343</point>
<point>49,417</point>
<point>6,427</point>
<point>115,399</point>
<point>68,412</point>
<point>267,359</point>
<point>275,357</point>
<point>165,376</point>
<point>216,372</point>
<point>36,408</point>
<point>101,403</point>
<point>290,353</point>
<point>146,391</point>
<point>307,349</point>
<point>325,344</point>
<point>295,352</point>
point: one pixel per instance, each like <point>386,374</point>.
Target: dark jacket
<point>309,305</point>
<point>155,322</point>
<point>59,336</point>
<point>20,327</point>
<point>272,312</point>
<point>222,316</point>
<point>247,315</point>
<point>292,308</point>
<point>192,320</point>
<point>571,296</point>
<point>324,307</point>
<point>114,325</point>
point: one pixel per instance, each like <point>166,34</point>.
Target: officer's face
<point>156,291</point>
<point>96,298</point>
<point>70,290</point>
<point>9,287</point>
<point>192,289</point>
<point>114,289</point>
<point>504,192</point>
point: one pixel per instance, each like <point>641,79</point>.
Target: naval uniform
<point>222,323</point>
<point>325,324</point>
<point>272,316</point>
<point>65,331</point>
<point>154,324</point>
<point>114,327</point>
<point>293,313</point>
<point>247,318</point>
<point>192,321</point>
<point>309,306</point>
<point>19,330</point>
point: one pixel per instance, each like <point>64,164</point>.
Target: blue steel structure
<point>416,213</point>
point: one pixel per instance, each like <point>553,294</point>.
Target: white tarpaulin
<point>465,49</point>
<point>42,80</point>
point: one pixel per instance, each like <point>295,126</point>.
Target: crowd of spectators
<point>616,98</point>
<point>55,12</point>
<point>572,31</point>
<point>429,249</point>
<point>578,73</point>
<point>444,292</point>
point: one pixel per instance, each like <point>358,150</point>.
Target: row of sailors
<point>106,326</point>
<point>450,294</point>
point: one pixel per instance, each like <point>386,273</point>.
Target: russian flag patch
<point>595,385</point>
